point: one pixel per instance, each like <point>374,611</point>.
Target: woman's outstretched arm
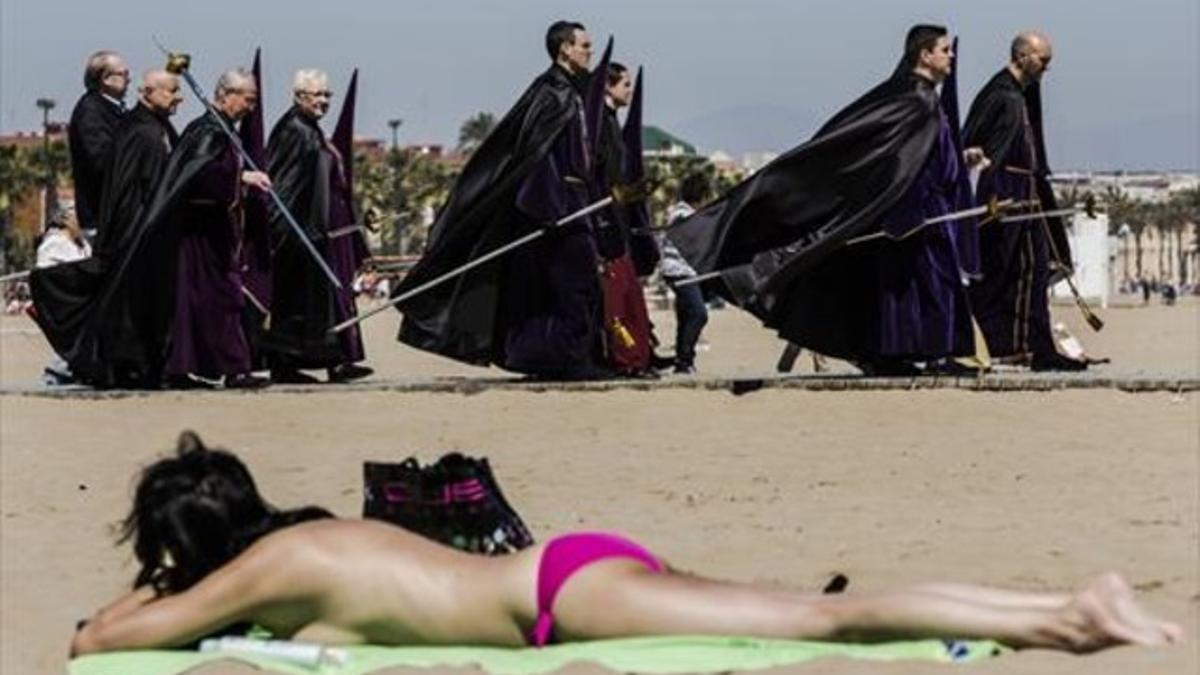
<point>139,620</point>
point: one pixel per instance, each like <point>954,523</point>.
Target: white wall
<point>1091,250</point>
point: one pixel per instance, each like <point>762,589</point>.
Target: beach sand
<point>1029,490</point>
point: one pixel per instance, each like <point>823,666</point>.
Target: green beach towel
<point>656,655</point>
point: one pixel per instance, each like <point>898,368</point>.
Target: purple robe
<point>206,336</point>
<point>553,305</point>
<point>923,308</point>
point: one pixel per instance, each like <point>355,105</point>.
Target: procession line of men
<point>196,278</point>
<point>788,241</point>
<point>831,245</point>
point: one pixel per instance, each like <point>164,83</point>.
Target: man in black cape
<point>312,177</point>
<point>880,167</point>
<point>63,294</point>
<point>1019,259</point>
<point>92,129</point>
<point>536,310</point>
<point>171,302</point>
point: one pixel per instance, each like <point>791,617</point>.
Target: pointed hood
<point>634,169</point>
<point>252,130</point>
<point>343,133</point>
<point>966,231</point>
<point>593,105</point>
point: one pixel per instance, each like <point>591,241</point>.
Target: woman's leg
<point>638,602</point>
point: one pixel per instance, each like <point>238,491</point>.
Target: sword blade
<point>936,220</point>
<point>1039,214</point>
<point>472,264</point>
<point>15,276</point>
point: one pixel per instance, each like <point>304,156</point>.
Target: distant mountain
<point>749,128</point>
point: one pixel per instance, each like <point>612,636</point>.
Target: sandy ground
<point>1029,490</point>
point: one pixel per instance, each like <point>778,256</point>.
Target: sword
<point>394,266</point>
<point>491,255</point>
<point>255,301</point>
<point>1089,207</point>
<point>1040,214</point>
<point>343,231</point>
<point>701,278</point>
<point>15,276</point>
<point>178,64</point>
<point>991,209</point>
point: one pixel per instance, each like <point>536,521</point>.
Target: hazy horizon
<point>756,76</point>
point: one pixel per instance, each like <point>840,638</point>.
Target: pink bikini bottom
<point>566,555</point>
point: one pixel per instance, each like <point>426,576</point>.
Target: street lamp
<point>394,124</point>
<point>47,104</point>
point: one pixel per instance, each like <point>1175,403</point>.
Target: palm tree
<point>19,176</point>
<point>473,132</point>
<point>1121,214</point>
<point>398,187</point>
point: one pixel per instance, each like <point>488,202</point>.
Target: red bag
<point>626,321</point>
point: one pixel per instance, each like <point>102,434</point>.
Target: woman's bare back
<point>362,581</point>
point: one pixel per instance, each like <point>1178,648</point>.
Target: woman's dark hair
<point>615,72</point>
<point>196,511</point>
<point>560,33</point>
<point>921,37</point>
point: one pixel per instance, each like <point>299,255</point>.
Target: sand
<point>1023,489</point>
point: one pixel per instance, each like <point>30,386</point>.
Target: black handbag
<point>455,501</point>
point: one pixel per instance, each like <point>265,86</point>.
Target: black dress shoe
<point>291,376</point>
<point>245,381</point>
<point>185,383</point>
<point>661,362</point>
<point>889,368</point>
<point>348,372</point>
<point>1056,362</point>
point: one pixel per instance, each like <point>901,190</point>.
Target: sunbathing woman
<point>214,555</point>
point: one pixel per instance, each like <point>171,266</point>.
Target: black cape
<point>790,216</point>
<point>125,336</point>
<point>63,294</point>
<point>995,123</point>
<point>302,304</point>
<point>90,137</point>
<point>459,319</point>
<point>140,151</point>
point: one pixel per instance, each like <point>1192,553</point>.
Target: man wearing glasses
<point>311,176</point>
<point>1011,302</point>
<point>93,126</point>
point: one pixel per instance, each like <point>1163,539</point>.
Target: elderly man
<point>1011,302</point>
<point>206,177</point>
<point>538,310</point>
<point>93,126</point>
<point>64,294</point>
<point>311,177</point>
<point>142,144</point>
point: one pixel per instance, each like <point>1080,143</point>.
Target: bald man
<point>92,129</point>
<point>1011,302</point>
<point>143,142</point>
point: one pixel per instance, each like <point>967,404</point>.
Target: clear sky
<point>737,75</point>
